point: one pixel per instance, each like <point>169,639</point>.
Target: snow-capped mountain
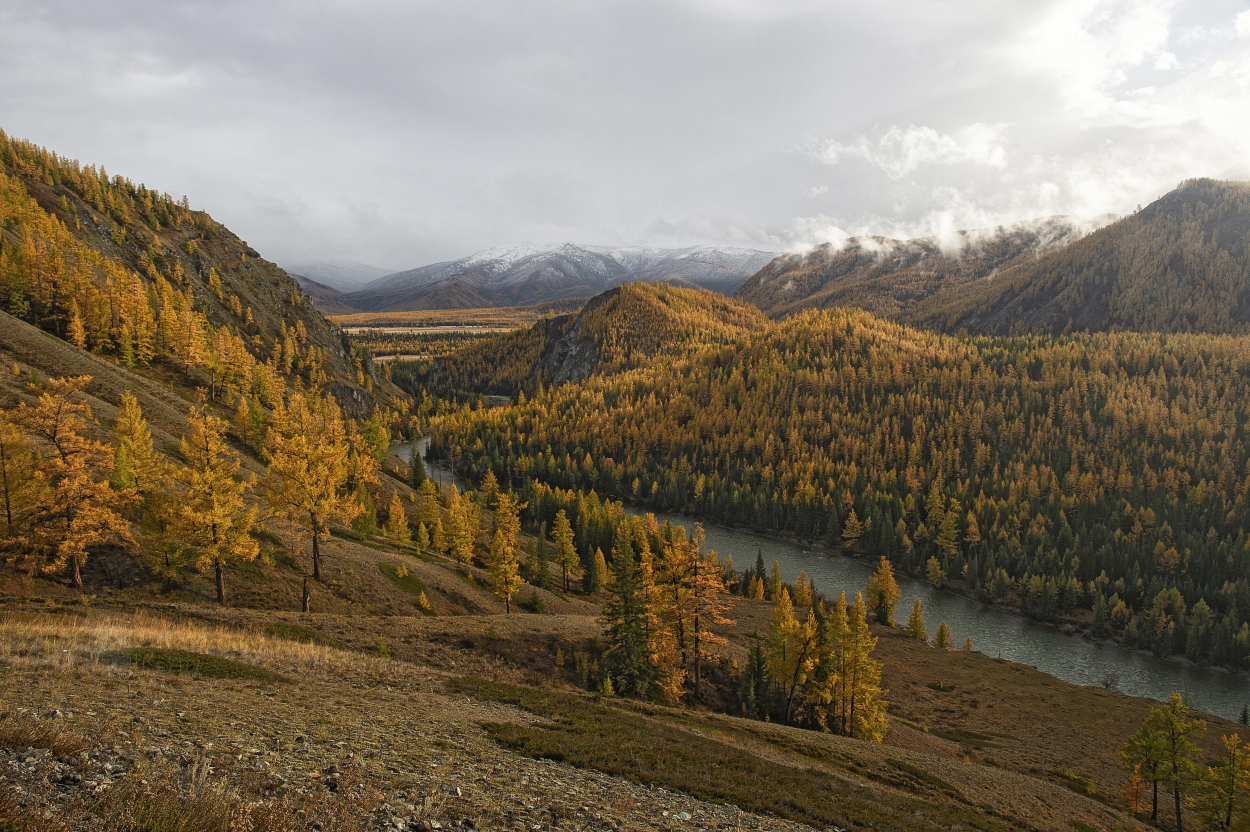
<point>527,275</point>
<point>342,275</point>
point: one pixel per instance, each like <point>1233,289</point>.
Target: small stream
<point>994,632</point>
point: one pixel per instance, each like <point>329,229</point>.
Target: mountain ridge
<point>527,274</point>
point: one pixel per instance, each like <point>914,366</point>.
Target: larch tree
<point>915,622</point>
<point>416,468</point>
<point>942,639</point>
<point>883,593</point>
<point>18,479</point>
<point>708,606</point>
<point>1173,727</point>
<point>309,467</point>
<point>397,530</point>
<point>1219,795</point>
<point>146,467</point>
<point>503,564</point>
<point>79,509</point>
<point>213,513</point>
<point>1143,754</point>
<point>566,551</point>
<point>461,531</point>
<point>866,708</point>
<point>791,650</point>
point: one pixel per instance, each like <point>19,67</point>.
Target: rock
<point>683,816</point>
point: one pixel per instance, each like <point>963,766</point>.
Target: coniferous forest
<point>1105,472</point>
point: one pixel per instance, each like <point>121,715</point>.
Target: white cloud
<point>902,150</point>
<point>1242,24</point>
<point>817,191</point>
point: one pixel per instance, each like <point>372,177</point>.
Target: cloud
<point>817,191</point>
<point>902,150</point>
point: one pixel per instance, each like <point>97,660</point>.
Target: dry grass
<point>61,643</point>
<point>22,731</point>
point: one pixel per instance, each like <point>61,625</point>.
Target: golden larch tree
<point>309,467</point>
<point>213,514</point>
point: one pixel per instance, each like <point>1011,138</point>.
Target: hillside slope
<point>619,329</point>
<point>1181,264</point>
<point>125,271</point>
<point>525,275</point>
<point>886,277</point>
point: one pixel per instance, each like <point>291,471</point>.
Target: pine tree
<point>774,582</point>
<point>942,639</point>
<point>503,565</point>
<point>397,530</point>
<point>934,573</point>
<point>967,648</point>
<point>309,467</point>
<point>416,468</point>
<point>915,622</point>
<point>366,522</point>
<point>423,538</point>
<point>566,552</point>
<point>213,514</point>
<point>595,577</point>
<point>627,657</point>
<point>852,530</point>
<point>883,593</point>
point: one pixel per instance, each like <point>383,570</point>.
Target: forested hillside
<point>887,276</point>
<point>1108,472</point>
<point>1182,264</point>
<point>126,271</point>
<point>616,330</point>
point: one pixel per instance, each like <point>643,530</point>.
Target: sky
<point>407,132</point>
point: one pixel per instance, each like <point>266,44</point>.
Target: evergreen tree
<point>774,582</point>
<point>416,468</point>
<point>934,573</point>
<point>627,657</point>
<point>595,577</point>
<point>18,478</point>
<point>791,650</point>
<point>1219,793</point>
<point>1143,753</point>
<point>942,640</point>
<point>802,590</point>
<point>865,704</point>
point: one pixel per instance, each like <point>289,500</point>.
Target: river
<point>993,631</point>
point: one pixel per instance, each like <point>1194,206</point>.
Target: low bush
<point>184,661</point>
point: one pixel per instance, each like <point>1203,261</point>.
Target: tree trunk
<point>697,669</point>
<point>316,551</point>
<point>1154,802</point>
<point>75,572</point>
<point>563,567</point>
<point>507,606</point>
<point>307,598</point>
<point>221,583</point>
<point>1176,795</point>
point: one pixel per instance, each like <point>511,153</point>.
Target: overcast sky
<point>401,133</point>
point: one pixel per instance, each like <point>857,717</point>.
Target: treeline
<point>1103,472</point>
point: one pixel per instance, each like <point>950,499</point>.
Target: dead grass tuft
<point>20,732</point>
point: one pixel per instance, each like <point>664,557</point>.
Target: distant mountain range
<point>1181,264</point>
<point>528,275</point>
<point>886,276</point>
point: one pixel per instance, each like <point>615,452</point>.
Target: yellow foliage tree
<point>791,649</point>
<point>79,508</point>
<point>566,552</point>
<point>308,452</point>
<point>883,593</point>
<point>213,515</point>
<point>503,565</point>
<point>397,530</point>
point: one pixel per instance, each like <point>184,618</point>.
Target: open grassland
<point>508,317</point>
<point>352,731</point>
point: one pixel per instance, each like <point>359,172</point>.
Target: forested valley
<point>1097,472</point>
